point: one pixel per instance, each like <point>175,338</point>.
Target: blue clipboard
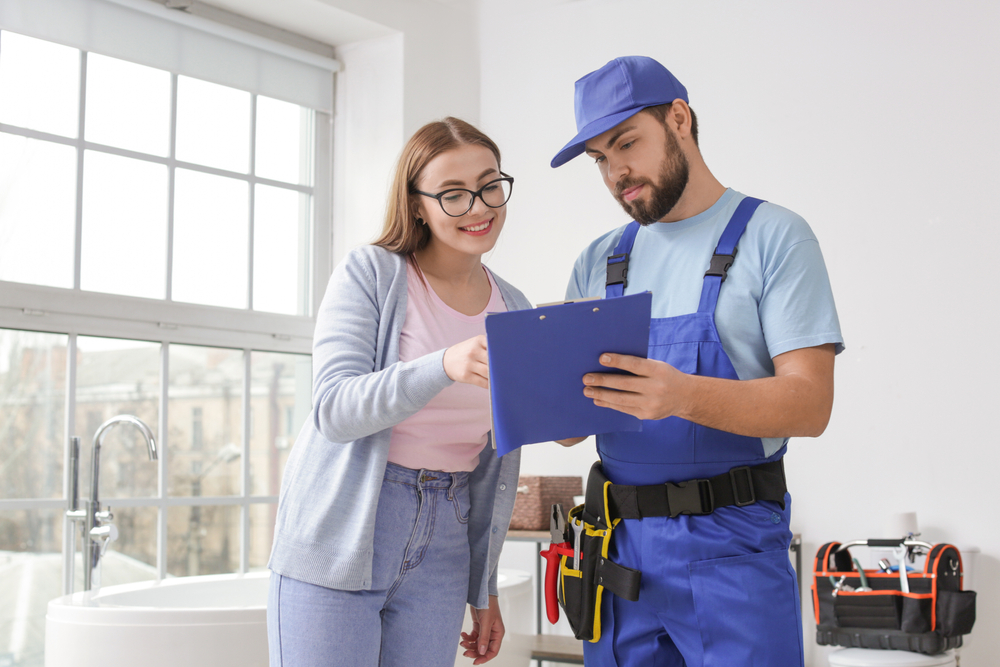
<point>537,361</point>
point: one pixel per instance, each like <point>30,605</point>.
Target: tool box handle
<point>901,541</point>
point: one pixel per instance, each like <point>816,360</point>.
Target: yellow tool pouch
<point>581,590</point>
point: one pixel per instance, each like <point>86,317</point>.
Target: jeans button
<point>503,487</point>
<point>494,529</point>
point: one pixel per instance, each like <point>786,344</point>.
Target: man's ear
<point>679,118</point>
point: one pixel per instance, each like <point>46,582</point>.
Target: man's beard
<point>665,194</point>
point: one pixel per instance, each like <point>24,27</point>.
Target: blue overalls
<point>717,589</point>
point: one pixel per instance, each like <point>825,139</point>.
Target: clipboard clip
<point>618,270</point>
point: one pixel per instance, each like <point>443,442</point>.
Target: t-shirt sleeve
<point>796,308</point>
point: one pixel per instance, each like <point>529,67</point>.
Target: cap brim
<point>599,126</point>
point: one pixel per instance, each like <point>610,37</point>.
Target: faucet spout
<point>102,430</point>
<point>95,538</point>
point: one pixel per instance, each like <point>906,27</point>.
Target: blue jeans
<point>420,581</point>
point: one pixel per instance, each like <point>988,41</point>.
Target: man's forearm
<point>774,407</point>
<point>795,402</point>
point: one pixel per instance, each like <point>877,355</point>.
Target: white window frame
<point>74,312</point>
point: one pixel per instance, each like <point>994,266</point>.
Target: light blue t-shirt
<point>776,297</point>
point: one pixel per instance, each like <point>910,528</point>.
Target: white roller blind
<point>148,33</point>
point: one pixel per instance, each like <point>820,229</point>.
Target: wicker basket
<point>535,497</point>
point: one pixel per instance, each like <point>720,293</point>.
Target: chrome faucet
<point>98,531</point>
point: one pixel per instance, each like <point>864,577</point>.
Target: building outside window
<point>163,244</point>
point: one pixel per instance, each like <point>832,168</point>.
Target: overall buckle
<point>618,270</point>
<point>720,265</point>
<point>736,487</point>
<point>693,497</point>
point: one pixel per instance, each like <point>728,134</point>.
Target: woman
<point>393,506</point>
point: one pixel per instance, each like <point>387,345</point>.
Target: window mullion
<point>69,527</point>
<point>245,467</point>
<point>252,192</point>
<point>171,184</point>
<point>80,129</point>
<point>162,481</point>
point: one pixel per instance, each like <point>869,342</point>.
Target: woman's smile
<point>479,228</point>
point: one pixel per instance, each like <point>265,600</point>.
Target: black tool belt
<point>740,486</point>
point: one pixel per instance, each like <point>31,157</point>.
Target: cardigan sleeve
<point>352,398</point>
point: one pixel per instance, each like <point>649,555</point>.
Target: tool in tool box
<point>577,531</point>
<point>900,554</point>
<point>559,547</point>
<point>864,587</point>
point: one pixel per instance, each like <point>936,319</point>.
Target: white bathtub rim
<point>94,609</point>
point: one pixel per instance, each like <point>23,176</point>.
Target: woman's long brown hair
<point>401,232</point>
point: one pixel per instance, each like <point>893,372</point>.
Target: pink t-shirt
<point>450,431</point>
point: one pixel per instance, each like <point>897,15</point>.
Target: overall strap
<point>617,279</point>
<point>725,253</point>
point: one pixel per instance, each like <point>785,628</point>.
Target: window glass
<point>213,125</point>
<point>210,239</point>
<point>203,539</point>
<point>39,84</point>
<point>117,377</point>
<point>124,226</point>
<point>280,390</point>
<point>32,407</point>
<point>205,414</point>
<point>281,232</point>
<point>262,517</point>
<point>128,105</point>
<point>283,147</point>
<point>30,575</point>
<point>37,211</point>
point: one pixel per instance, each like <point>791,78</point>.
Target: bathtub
<point>203,621</point>
<point>209,621</point>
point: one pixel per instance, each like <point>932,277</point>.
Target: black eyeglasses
<point>459,201</point>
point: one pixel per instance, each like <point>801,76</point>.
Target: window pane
<point>210,240</point>
<point>284,141</point>
<point>280,387</point>
<point>37,211</point>
<point>205,413</point>
<point>261,534</point>
<point>39,84</point>
<point>213,125</point>
<point>124,226</point>
<point>128,105</point>
<point>32,400</point>
<point>203,540</point>
<point>117,377</point>
<point>281,232</point>
<point>30,576</point>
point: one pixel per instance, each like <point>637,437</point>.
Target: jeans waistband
<point>426,479</point>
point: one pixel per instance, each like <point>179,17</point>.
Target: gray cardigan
<point>329,493</point>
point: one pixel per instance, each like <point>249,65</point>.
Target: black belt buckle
<point>736,489</point>
<point>693,497</point>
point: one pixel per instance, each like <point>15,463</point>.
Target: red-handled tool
<point>559,547</point>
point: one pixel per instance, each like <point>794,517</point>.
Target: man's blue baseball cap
<point>620,89</point>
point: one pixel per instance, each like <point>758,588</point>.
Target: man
<point>741,356</point>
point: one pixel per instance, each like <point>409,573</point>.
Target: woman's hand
<point>467,362</point>
<point>483,643</point>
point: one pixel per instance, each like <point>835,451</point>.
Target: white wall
<point>388,88</point>
<point>877,122</point>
